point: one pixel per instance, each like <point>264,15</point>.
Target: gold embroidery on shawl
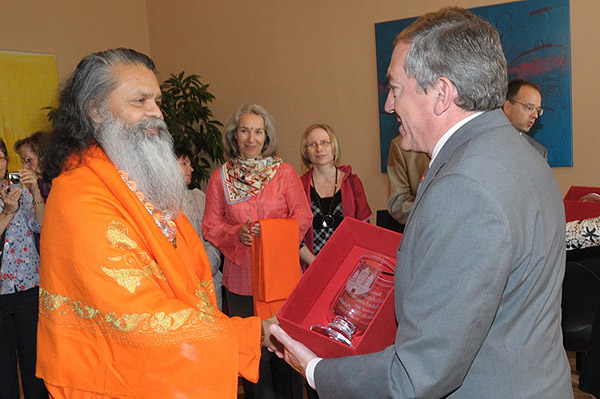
<point>142,265</point>
<point>208,285</point>
<point>126,278</point>
<point>142,329</point>
<point>51,302</point>
<point>118,237</point>
<point>205,305</point>
<point>139,329</point>
<point>162,322</point>
<point>127,322</point>
<point>83,311</point>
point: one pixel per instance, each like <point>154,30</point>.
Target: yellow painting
<point>28,83</point>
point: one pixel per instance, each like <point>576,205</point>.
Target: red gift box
<point>579,210</point>
<point>312,300</point>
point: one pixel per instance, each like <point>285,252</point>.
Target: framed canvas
<point>536,40</point>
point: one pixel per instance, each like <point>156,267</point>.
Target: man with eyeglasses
<point>523,106</point>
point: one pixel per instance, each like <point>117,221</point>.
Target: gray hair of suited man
<point>88,87</point>
<point>229,140</point>
<point>456,44</point>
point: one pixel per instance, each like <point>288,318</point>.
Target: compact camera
<point>14,177</point>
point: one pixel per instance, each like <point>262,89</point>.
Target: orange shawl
<point>275,265</point>
<point>122,312</point>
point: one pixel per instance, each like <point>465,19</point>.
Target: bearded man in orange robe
<point>127,304</point>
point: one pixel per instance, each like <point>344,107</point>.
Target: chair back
<point>580,301</point>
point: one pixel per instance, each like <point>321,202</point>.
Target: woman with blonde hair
<point>333,191</point>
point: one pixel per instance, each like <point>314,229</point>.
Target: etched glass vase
<point>365,290</point>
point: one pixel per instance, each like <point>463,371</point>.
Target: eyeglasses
<point>529,108</point>
<point>322,143</point>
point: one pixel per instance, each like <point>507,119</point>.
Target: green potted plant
<point>185,108</point>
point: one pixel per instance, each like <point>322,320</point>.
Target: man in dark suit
<point>480,267</point>
<point>522,107</point>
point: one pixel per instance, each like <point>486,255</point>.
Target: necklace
<point>328,219</point>
<point>163,219</point>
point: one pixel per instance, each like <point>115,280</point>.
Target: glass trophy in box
<point>365,290</point>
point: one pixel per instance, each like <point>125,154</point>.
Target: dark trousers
<point>18,340</point>
<point>311,393</point>
<point>589,380</point>
<point>276,378</point>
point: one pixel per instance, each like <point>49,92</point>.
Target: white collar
<point>449,133</point>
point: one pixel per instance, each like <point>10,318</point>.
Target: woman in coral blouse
<point>334,192</point>
<point>255,184</point>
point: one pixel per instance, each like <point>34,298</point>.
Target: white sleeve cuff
<point>310,371</point>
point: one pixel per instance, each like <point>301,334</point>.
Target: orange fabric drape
<point>275,265</point>
<point>123,313</point>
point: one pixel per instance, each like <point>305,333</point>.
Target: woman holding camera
<point>29,150</point>
<point>19,285</point>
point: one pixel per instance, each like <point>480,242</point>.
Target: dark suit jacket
<point>478,281</point>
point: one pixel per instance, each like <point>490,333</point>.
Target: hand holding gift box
<point>313,300</point>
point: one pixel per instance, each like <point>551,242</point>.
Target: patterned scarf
<point>244,178</point>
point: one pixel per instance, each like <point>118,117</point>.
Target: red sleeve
<point>363,210</point>
<point>216,228</point>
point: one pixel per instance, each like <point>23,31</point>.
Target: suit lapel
<point>479,125</point>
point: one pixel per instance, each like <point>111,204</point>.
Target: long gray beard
<point>147,159</point>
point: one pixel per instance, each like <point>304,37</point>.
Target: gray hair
<point>86,89</point>
<point>230,142</point>
<point>456,44</point>
<point>148,160</point>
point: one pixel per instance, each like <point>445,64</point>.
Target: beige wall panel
<point>306,61</point>
<point>314,61</point>
<point>585,58</point>
<point>71,29</point>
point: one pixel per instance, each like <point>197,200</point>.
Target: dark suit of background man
<point>480,267</point>
<point>522,107</point>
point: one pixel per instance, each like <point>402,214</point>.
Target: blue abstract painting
<point>536,39</point>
